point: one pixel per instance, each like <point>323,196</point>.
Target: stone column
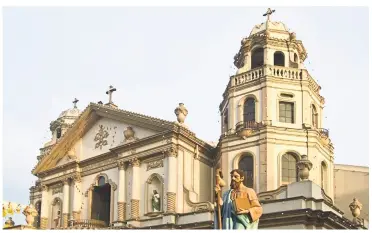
<point>77,198</point>
<point>65,209</point>
<point>44,207</point>
<point>121,192</point>
<point>171,179</point>
<point>136,188</point>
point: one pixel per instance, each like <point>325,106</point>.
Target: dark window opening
<point>59,133</point>
<point>295,58</point>
<point>278,59</point>
<point>249,110</point>
<point>246,165</point>
<point>257,58</point>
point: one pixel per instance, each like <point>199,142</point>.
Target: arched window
<point>278,59</point>
<point>257,58</point>
<point>59,133</point>
<point>226,121</point>
<point>101,181</point>
<point>314,116</point>
<point>295,58</point>
<point>289,169</point>
<point>249,110</point>
<point>246,165</point>
<point>323,175</point>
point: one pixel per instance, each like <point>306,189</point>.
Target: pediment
<point>97,129</point>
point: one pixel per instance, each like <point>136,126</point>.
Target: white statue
<point>155,201</point>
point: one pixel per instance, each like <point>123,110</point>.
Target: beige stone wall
<point>351,181</point>
<point>204,185</point>
<point>116,136</point>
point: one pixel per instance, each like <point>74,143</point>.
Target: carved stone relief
<point>155,164</point>
<point>100,138</point>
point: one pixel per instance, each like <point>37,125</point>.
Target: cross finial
<point>268,13</point>
<point>109,92</point>
<point>75,102</point>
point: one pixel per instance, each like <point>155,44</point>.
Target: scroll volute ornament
<point>355,208</point>
<point>181,113</point>
<point>304,166</point>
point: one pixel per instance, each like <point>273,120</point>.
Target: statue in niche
<point>57,219</point>
<point>155,201</point>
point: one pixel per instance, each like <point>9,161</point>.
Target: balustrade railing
<point>247,125</point>
<point>249,76</point>
<point>284,72</point>
<point>276,72</point>
<point>88,224</point>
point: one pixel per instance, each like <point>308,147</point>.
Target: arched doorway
<point>101,201</point>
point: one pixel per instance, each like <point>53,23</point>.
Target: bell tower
<point>271,113</point>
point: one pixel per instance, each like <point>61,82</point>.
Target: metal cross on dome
<point>75,102</point>
<point>268,13</point>
<point>109,92</point>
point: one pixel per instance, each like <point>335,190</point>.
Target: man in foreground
<point>233,218</point>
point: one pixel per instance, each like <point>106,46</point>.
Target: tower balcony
<point>279,72</point>
<point>246,128</point>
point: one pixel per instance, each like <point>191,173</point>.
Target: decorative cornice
<point>134,162</point>
<point>171,152</point>
<point>44,188</point>
<point>58,188</point>
<point>121,165</point>
<point>66,181</point>
<point>77,178</point>
<point>155,164</point>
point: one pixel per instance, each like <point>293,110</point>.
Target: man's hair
<point>240,172</point>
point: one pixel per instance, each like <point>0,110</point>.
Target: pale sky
<point>157,57</point>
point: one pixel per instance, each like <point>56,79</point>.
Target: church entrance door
<point>101,203</point>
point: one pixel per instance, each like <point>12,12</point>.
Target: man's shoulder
<point>248,190</point>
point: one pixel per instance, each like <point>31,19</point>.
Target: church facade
<point>110,168</point>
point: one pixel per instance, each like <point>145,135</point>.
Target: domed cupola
<point>63,122</point>
<point>272,44</point>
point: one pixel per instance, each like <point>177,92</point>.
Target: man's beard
<point>234,184</point>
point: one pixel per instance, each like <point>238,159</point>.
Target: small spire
<point>75,102</point>
<point>268,13</point>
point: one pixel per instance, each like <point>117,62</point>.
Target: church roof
<point>269,26</point>
<point>89,116</point>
